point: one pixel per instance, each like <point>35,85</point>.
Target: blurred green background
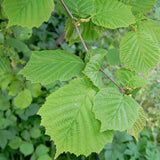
<point>22,137</point>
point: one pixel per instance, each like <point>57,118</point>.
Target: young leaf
<point>88,30</point>
<point>48,66</point>
<point>23,99</point>
<point>93,52</point>
<point>92,70</point>
<point>138,125</point>
<point>114,110</point>
<point>28,13</point>
<point>139,52</point>
<point>112,14</point>
<point>70,121</point>
<point>131,79</point>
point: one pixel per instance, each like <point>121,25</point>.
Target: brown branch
<point>85,47</point>
<point>74,22</point>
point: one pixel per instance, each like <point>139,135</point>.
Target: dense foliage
<point>83,110</point>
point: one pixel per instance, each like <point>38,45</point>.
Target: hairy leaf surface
<point>112,14</point>
<point>28,13</point>
<point>114,110</point>
<point>68,118</point>
<point>139,52</point>
<point>48,66</point>
<point>138,125</point>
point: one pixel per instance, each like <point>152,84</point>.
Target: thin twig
<point>121,88</point>
<point>74,22</point>
<point>84,45</point>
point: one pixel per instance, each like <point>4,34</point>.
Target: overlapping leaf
<point>48,66</point>
<point>152,28</point>
<point>112,14</point>
<point>140,6</point>
<point>70,122</point>
<point>88,30</point>
<point>93,52</point>
<point>139,52</point>
<point>92,70</point>
<point>114,110</point>
<point>28,13</point>
<point>138,125</point>
<point>131,79</point>
<point>79,9</point>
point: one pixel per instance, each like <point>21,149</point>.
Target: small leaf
<point>131,79</point>
<point>88,30</point>
<point>27,148</point>
<point>41,150</point>
<point>68,118</point>
<point>114,110</point>
<point>93,52</point>
<point>138,125</point>
<point>15,143</point>
<point>112,14</point>
<point>23,99</point>
<point>28,13</point>
<point>48,66</point>
<point>45,157</point>
<point>92,70</point>
<point>35,133</point>
<point>139,52</point>
<point>21,33</point>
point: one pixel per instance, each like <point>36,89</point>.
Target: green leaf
<point>92,70</point>
<point>15,143</point>
<point>48,66</point>
<point>151,28</point>
<point>139,52</point>
<point>41,150</point>
<point>93,52</point>
<point>68,118</point>
<point>45,157</point>
<point>15,88</point>
<point>27,148</point>
<point>138,125</point>
<point>114,110</point>
<point>23,99</point>
<point>4,103</point>
<point>140,6</point>
<point>35,133</point>
<point>80,8</point>
<point>18,45</point>
<point>113,57</point>
<point>112,14</point>
<point>3,139</point>
<point>1,38</point>
<point>28,13</point>
<point>131,79</point>
<point>21,33</point>
<point>88,30</point>
<point>4,63</point>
